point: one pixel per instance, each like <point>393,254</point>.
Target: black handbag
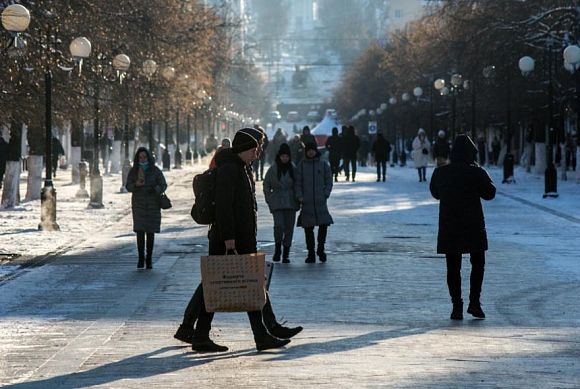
<point>164,202</point>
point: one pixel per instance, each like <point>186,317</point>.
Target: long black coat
<point>381,149</point>
<point>459,186</point>
<point>350,146</point>
<point>145,199</point>
<point>235,204</point>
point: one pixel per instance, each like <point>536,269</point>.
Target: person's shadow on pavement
<point>135,367</point>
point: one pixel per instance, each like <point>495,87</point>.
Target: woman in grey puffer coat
<point>313,186</point>
<point>281,199</point>
<point>146,183</point>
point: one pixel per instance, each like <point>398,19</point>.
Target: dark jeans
<point>335,165</point>
<point>422,173</point>
<point>259,320</point>
<point>309,235</point>
<point>345,164</point>
<point>383,165</point>
<point>454,276</point>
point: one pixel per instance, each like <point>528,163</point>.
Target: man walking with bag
<point>234,229</point>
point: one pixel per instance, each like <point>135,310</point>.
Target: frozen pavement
<point>375,315</point>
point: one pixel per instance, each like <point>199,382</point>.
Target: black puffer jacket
<point>145,199</point>
<point>236,211</point>
<point>459,186</point>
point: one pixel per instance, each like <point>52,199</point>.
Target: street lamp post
<point>178,157</point>
<point>149,68</point>
<point>188,150</point>
<point>121,63</point>
<point>168,74</point>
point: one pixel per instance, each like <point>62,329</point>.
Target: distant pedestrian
<point>57,151</point>
<point>495,149</point>
<point>351,144</point>
<point>307,136</point>
<point>146,183</point>
<point>313,188</point>
<point>421,154</point>
<point>334,147</point>
<point>234,229</point>
<point>281,199</point>
<point>226,144</point>
<point>459,186</point>
<point>364,150</point>
<point>258,164</point>
<point>381,149</point>
<point>441,149</point>
<point>296,149</point>
<point>3,158</point>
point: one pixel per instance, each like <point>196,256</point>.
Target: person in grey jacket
<point>146,183</point>
<point>281,200</point>
<point>313,185</point>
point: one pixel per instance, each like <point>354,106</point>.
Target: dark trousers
<point>284,220</point>
<point>141,244</point>
<point>383,165</point>
<point>309,235</point>
<point>259,320</point>
<point>335,165</point>
<point>454,276</point>
<point>258,166</point>
<point>345,164</point>
<point>422,173</point>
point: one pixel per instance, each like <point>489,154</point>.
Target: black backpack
<point>203,209</point>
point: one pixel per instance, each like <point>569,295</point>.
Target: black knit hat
<point>246,139</point>
<point>310,146</point>
<point>284,149</point>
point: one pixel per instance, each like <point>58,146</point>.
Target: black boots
<point>474,309</point>
<point>309,235</point>
<point>311,258</point>
<point>277,252</point>
<point>286,254</point>
<point>141,263</point>
<point>279,331</point>
<point>207,346</point>
<point>320,252</point>
<point>457,313</point>
<point>184,333</point>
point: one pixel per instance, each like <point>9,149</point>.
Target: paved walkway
<point>375,315</point>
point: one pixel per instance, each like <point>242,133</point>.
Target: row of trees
<point>196,41</point>
<point>482,41</point>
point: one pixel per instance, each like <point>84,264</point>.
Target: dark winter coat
<point>350,146</point>
<point>459,186</point>
<point>145,199</point>
<point>334,147</point>
<point>381,149</point>
<point>441,148</point>
<point>235,204</point>
<point>313,186</point>
<point>307,138</point>
<point>279,192</point>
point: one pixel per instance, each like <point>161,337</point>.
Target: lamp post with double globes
<point>122,63</point>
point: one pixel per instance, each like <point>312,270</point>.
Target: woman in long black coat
<point>146,183</point>
<point>460,186</point>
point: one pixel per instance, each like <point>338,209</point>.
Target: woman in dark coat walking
<point>459,186</point>
<point>313,185</point>
<point>146,183</point>
<point>381,150</point>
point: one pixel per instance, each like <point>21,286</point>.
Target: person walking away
<point>313,187</point>
<point>364,150</point>
<point>57,151</point>
<point>258,164</point>
<point>3,158</point>
<point>351,144</point>
<point>459,186</point>
<point>226,144</point>
<point>441,149</point>
<point>381,149</point>
<point>420,147</point>
<point>334,147</point>
<point>146,182</point>
<point>234,228</point>
<point>281,199</point>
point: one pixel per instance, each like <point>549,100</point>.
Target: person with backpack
<point>281,199</point>
<point>146,183</point>
<point>313,185</point>
<point>233,227</point>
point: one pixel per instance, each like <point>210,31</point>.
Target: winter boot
<point>207,346</point>
<point>286,254</point>
<point>320,252</point>
<point>267,342</point>
<point>457,313</point>
<point>279,331</point>
<point>277,252</point>
<point>149,262</point>
<point>141,263</point>
<point>474,309</point>
<point>311,258</point>
<point>309,234</point>
<point>184,333</point>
